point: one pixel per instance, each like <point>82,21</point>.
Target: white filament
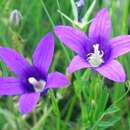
<point>37,85</point>
<point>95,59</point>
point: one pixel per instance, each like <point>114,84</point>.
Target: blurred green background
<point>90,102</point>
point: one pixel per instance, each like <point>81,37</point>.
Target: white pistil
<point>95,59</point>
<point>37,85</point>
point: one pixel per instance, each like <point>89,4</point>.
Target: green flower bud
<point>15,18</point>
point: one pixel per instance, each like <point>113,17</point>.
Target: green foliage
<point>90,102</point>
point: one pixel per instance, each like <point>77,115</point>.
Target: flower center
<point>37,85</point>
<point>95,59</point>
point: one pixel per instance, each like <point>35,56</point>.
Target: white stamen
<point>95,59</point>
<point>37,85</point>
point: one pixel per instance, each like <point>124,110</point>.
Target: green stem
<point>42,121</point>
<point>47,13</point>
<point>53,24</point>
<point>55,109</point>
<point>125,18</point>
<point>70,111</point>
<point>116,102</point>
<point>59,8</point>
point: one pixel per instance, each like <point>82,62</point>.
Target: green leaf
<point>9,117</point>
<point>111,110</point>
<point>79,84</point>
<point>111,122</point>
<point>65,16</point>
<point>129,121</point>
<point>74,10</point>
<point>88,13</point>
<point>4,69</point>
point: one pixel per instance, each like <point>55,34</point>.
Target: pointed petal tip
<point>68,70</point>
<point>120,45</point>
<point>50,36</point>
<point>122,79</point>
<point>43,54</point>
<point>103,10</point>
<point>101,25</point>
<point>13,60</point>
<point>58,28</point>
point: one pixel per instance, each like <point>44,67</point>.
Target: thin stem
<point>42,121</point>
<point>59,8</point>
<point>47,13</point>
<point>125,17</point>
<point>117,101</point>
<point>53,24</point>
<point>73,101</point>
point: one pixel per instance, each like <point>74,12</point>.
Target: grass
<point>90,102</point>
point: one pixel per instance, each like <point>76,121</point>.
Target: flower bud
<point>80,3</point>
<point>15,18</point>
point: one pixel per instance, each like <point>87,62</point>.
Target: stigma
<point>95,59</point>
<point>37,85</point>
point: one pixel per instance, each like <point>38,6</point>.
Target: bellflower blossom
<point>32,81</point>
<point>96,51</point>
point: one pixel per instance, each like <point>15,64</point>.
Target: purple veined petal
<point>27,102</point>
<point>43,54</point>
<point>13,60</point>
<point>77,63</point>
<point>56,80</point>
<point>71,37</point>
<point>120,45</point>
<point>113,70</point>
<point>10,86</point>
<point>101,26</point>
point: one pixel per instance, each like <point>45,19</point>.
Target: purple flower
<point>97,51</point>
<point>32,81</point>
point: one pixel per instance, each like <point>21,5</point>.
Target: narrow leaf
<point>74,10</point>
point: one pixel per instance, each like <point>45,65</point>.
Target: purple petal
<point>43,54</point>
<point>113,70</point>
<point>101,26</point>
<point>120,45</point>
<point>13,60</point>
<point>77,63</point>
<point>57,80</point>
<point>73,38</point>
<point>10,86</point>
<point>28,101</point>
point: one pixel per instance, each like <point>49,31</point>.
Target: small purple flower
<point>32,81</point>
<point>97,51</point>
